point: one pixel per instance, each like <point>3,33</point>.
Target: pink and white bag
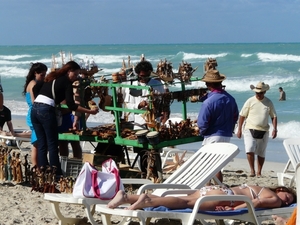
<point>92,183</point>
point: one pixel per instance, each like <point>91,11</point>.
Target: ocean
<point>277,64</point>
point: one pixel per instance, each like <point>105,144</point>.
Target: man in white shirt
<point>136,101</point>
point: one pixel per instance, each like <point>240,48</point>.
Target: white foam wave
<point>288,130</point>
<point>189,56</point>
<point>246,55</point>
<point>13,71</point>
<point>242,84</point>
<point>14,57</point>
<point>269,57</point>
<point>25,63</point>
<point>106,59</point>
<point>18,108</point>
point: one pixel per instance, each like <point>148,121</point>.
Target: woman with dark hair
<point>262,197</point>
<point>43,111</point>
<point>37,72</point>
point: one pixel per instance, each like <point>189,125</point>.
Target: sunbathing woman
<point>262,197</point>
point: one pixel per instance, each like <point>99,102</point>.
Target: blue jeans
<point>44,122</point>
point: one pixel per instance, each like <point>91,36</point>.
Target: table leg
<point>127,155</point>
<point>158,165</point>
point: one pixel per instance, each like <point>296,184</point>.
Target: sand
<point>20,205</point>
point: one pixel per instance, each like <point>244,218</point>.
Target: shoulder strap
<point>53,92</point>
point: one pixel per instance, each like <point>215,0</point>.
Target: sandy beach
<point>20,205</point>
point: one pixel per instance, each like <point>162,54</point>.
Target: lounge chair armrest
<point>241,198</point>
<point>178,192</point>
<point>145,187</point>
<point>136,181</point>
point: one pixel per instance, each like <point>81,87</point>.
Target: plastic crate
<point>70,167</point>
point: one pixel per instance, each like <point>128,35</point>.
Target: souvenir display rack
<point>183,95</point>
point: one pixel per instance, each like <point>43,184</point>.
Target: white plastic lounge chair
<point>292,147</point>
<point>199,169</point>
<point>187,216</point>
<point>194,173</point>
<point>89,203</point>
<point>22,135</point>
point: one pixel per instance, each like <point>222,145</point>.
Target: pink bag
<point>92,183</point>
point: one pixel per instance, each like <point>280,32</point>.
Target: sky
<point>61,22</point>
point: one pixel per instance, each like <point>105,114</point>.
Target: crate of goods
<point>70,167</point>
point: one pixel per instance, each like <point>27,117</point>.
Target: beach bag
<point>257,134</point>
<point>57,108</point>
<point>92,183</point>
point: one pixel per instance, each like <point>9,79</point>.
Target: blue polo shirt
<point>218,114</point>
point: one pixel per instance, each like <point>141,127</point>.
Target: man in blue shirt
<point>219,112</point>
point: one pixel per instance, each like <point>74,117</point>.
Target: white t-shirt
<point>133,102</point>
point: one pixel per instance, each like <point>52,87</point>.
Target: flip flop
<point>252,175</point>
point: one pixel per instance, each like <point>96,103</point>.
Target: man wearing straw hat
<point>219,112</point>
<point>255,113</point>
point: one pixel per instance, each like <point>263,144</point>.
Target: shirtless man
<point>262,197</point>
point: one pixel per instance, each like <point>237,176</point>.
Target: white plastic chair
<point>199,169</point>
<point>292,148</point>
<point>22,135</point>
<point>194,173</point>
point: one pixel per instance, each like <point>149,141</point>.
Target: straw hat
<point>260,87</point>
<point>213,76</point>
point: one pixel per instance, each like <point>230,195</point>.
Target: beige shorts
<point>215,139</point>
<point>258,146</point>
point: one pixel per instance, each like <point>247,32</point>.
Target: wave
<point>189,56</point>
<point>13,71</point>
<point>14,57</point>
<point>269,57</point>
<point>246,55</point>
<point>106,59</point>
<point>242,84</point>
